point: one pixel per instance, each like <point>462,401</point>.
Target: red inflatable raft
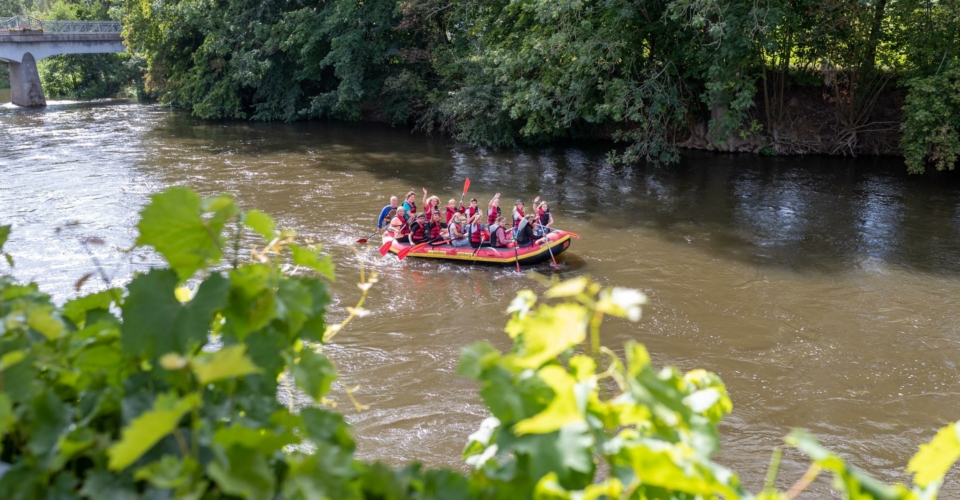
<point>559,242</point>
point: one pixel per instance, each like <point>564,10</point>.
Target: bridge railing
<point>19,23</point>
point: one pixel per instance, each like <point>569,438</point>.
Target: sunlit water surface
<point>823,291</point>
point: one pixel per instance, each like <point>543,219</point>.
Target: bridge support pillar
<point>25,88</point>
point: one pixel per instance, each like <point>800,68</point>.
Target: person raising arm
<point>431,203</point>
<point>432,206</point>
<point>493,209</point>
<point>545,218</point>
<point>435,229</point>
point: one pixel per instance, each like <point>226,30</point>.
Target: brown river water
<point>823,291</point>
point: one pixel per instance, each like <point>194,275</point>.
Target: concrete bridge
<point>25,40</point>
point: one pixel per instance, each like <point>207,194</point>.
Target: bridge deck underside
<point>23,49</point>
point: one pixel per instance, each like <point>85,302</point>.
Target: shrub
<point>932,120</point>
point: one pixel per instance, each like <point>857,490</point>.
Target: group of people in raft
<point>463,226</point>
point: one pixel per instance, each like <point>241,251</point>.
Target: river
<point>823,291</point>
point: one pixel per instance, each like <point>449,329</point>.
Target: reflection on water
<point>4,96</point>
<point>823,291</point>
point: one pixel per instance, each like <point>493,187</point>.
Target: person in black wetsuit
<point>525,236</point>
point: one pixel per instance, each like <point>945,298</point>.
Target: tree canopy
<point>776,76</point>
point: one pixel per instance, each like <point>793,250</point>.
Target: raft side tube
<point>559,242</point>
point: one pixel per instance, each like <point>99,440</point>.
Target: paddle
<point>546,236</point>
<point>403,253</point>
<point>466,186</point>
<point>575,235</point>
<point>364,240</point>
<point>516,253</point>
<point>385,249</point>
<point>479,247</point>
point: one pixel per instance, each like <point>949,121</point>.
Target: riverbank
<point>809,121</point>
<point>813,129</point>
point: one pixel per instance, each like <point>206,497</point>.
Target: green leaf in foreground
<point>155,322</point>
<point>312,259</point>
<point>49,419</point>
<point>229,362</point>
<point>167,473</point>
<point>850,480</point>
<point>4,234</point>
<point>173,224</point>
<point>7,417</point>
<point>935,458</point>
<point>243,473</point>
<point>42,319</point>
<point>261,223</point>
<point>149,428</point>
<point>324,426</point>
<point>547,334</point>
<point>265,441</point>
<point>76,309</point>
<point>561,411</point>
<point>314,373</point>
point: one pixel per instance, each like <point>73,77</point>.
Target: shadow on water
<point>809,214</point>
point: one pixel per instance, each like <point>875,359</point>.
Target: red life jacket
<point>516,222</point>
<point>492,216</point>
<point>476,233</point>
<point>435,230</point>
<point>450,212</point>
<point>451,232</point>
<point>419,232</point>
<point>402,231</point>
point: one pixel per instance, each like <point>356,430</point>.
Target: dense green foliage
<point>7,8</point>
<point>160,391</point>
<point>79,76</point>
<point>88,76</point>
<point>780,76</point>
<point>776,76</point>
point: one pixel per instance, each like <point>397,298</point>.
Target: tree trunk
<point>870,57</point>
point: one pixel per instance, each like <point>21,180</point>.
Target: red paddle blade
<point>466,185</point>
<point>362,241</point>
<point>403,253</point>
<point>385,249</point>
